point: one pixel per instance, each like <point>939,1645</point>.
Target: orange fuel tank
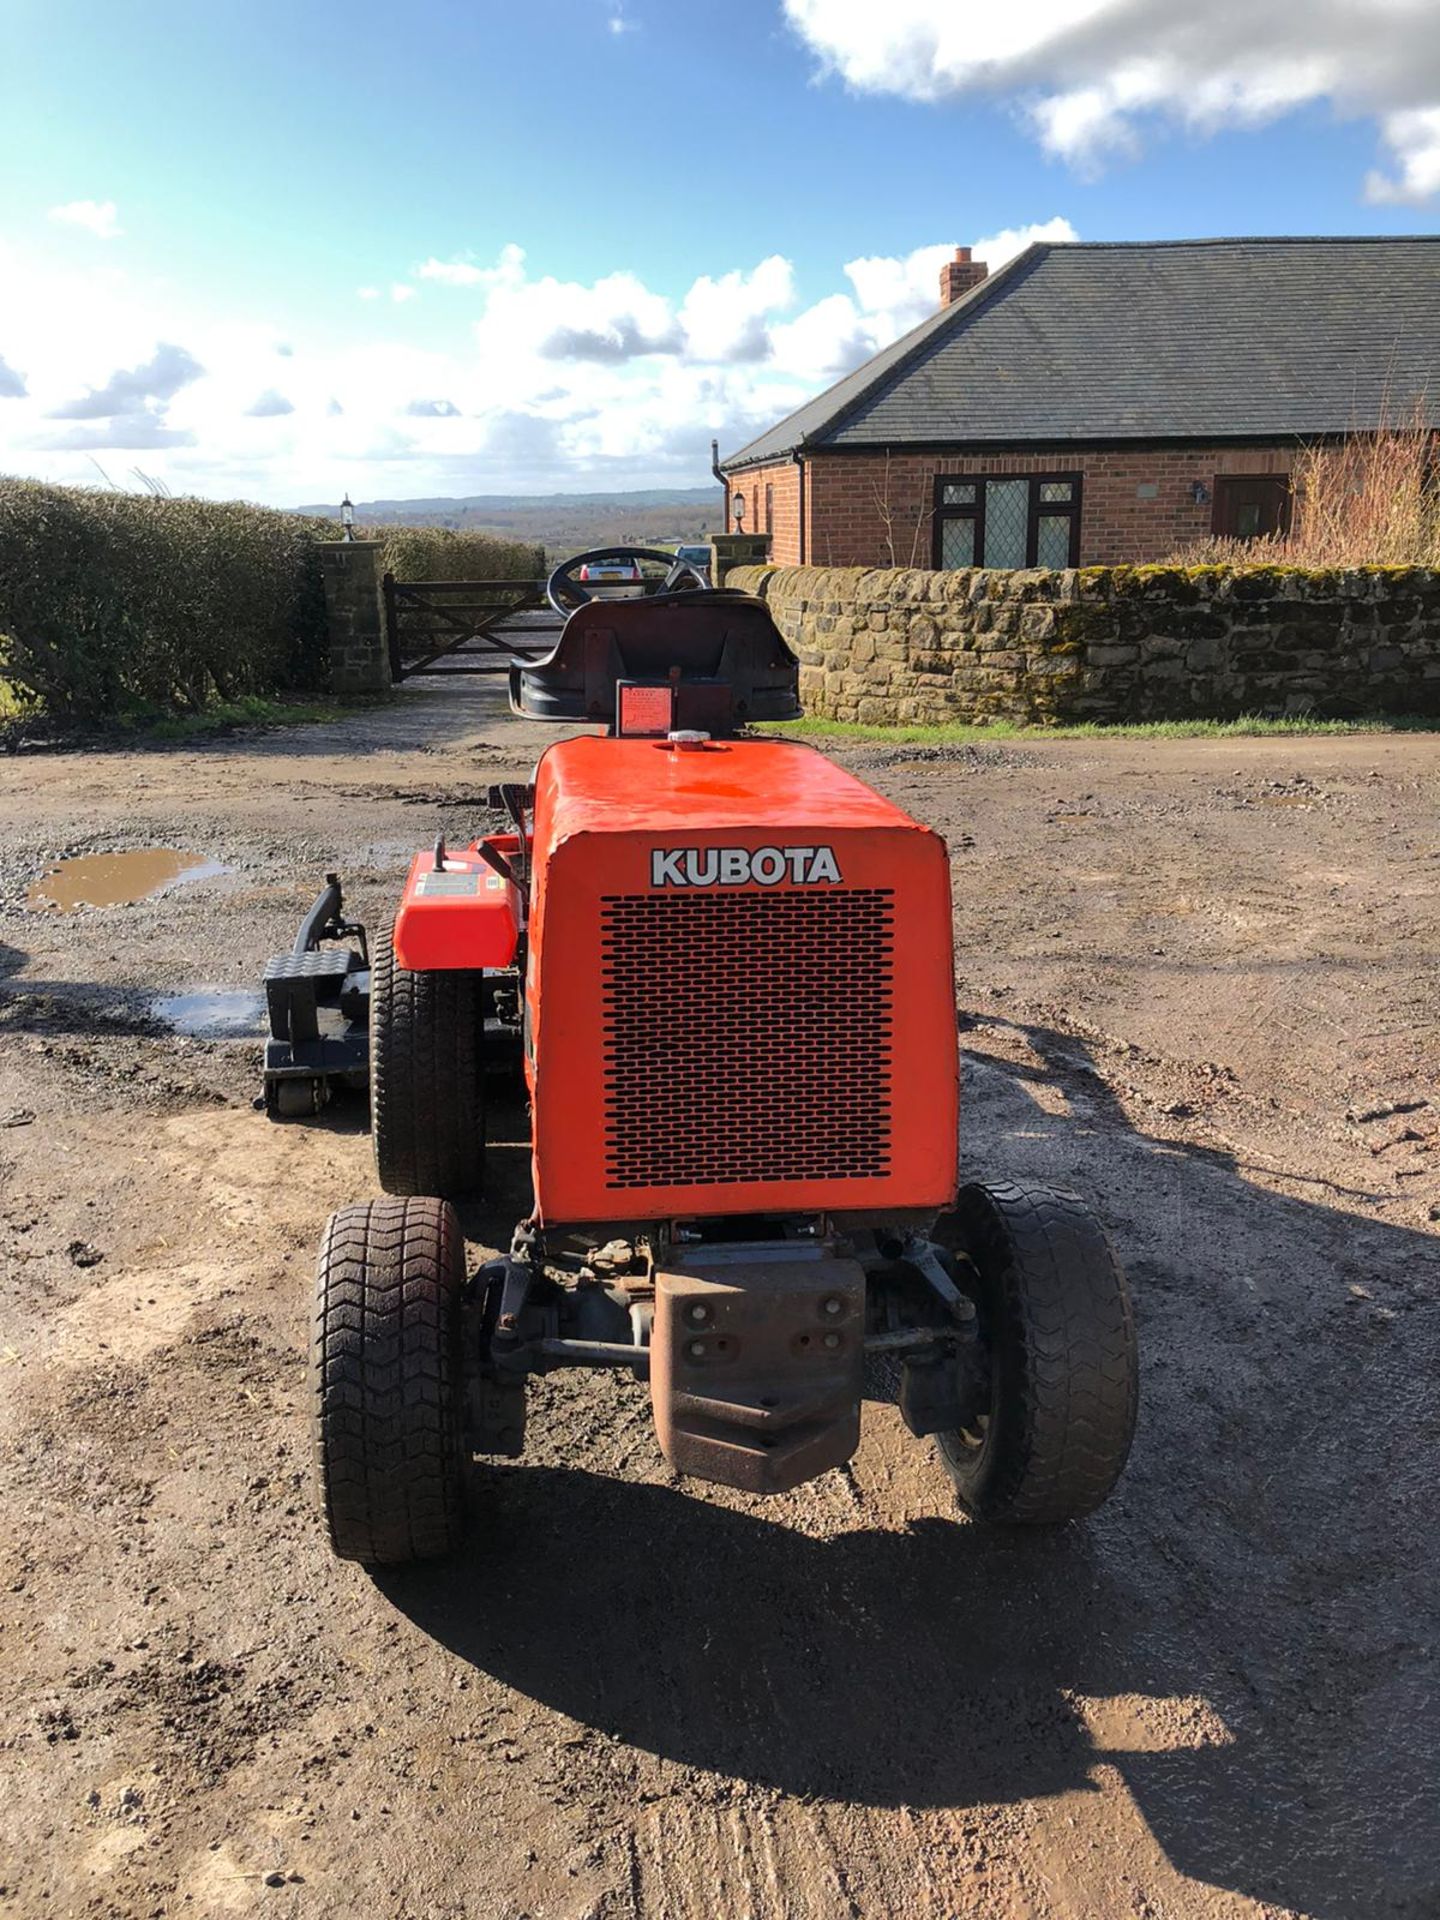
<point>740,991</point>
<point>465,917</point>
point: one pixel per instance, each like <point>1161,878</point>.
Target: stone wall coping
<point>855,584</point>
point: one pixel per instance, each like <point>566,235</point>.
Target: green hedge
<point>112,602</point>
<point>440,553</point>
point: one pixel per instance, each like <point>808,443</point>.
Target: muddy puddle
<point>117,879</point>
<point>212,1013</point>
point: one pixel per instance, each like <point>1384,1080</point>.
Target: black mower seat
<point>733,666</point>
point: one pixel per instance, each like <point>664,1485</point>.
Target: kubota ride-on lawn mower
<point>725,965</point>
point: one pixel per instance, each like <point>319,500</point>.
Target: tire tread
<point>427,1101</point>
<point>1067,1397</point>
<point>385,1380</point>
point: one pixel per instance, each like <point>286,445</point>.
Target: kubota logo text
<point>739,866</point>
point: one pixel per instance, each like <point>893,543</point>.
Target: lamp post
<point>347,519</point>
<point>739,513</point>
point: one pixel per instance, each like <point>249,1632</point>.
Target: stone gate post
<point>731,550</point>
<point>359,654</point>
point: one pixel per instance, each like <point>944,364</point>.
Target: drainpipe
<point>715,468</point>
<point>798,457</point>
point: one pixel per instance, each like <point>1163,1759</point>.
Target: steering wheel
<point>565,593</point>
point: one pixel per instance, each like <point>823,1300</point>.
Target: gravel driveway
<point>1198,982</point>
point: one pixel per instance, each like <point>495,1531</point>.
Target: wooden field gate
<point>465,626</point>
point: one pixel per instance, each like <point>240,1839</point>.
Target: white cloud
<point>827,339</point>
<point>728,319</point>
<point>127,431</point>
<point>890,296</point>
<point>1088,73</point>
<point>450,273</point>
<point>520,381</point>
<point>12,385</point>
<point>616,319</point>
<point>100,217</point>
<point>724,319</point>
<point>399,292</point>
<point>996,249</point>
<point>906,289</point>
<point>1413,136</point>
<point>271,405</point>
<point>158,380</point>
<point>1084,127</point>
<point>367,293</point>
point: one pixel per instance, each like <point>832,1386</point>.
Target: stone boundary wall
<point>1107,643</point>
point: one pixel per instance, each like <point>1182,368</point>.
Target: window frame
<point>941,511</point>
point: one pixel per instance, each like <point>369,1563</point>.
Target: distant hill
<point>563,522</point>
<point>392,510</point>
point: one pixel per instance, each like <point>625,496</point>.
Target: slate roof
<point>1182,339</point>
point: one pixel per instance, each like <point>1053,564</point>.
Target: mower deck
<point>318,1001</point>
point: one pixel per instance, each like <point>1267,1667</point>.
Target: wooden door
<point>1248,506</point>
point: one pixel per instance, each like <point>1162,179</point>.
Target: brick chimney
<point>960,275</point>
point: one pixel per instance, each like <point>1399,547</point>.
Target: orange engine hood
<point>740,988</point>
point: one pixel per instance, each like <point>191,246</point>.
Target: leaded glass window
<point>957,541</point>
<point>1007,520</point>
<point>1007,514</point>
<point>1052,540</point>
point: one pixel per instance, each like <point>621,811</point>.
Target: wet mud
<point>117,879</point>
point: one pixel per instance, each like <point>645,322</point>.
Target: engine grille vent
<point>747,1036</point>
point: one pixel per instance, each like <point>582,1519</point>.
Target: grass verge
<point>142,726</point>
<point>969,733</point>
<point>251,710</point>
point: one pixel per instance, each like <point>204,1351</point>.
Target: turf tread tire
<point>385,1368</point>
<point>1065,1390</point>
<point>427,1097</point>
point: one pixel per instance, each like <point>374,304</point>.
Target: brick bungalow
<point>1091,404</point>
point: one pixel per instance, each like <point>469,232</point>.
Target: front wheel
<point>1059,1334</point>
<point>385,1380</point>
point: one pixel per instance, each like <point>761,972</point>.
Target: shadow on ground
<point>74,1007</point>
<point>1248,1633</point>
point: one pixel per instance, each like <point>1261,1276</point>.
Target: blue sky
<point>285,250</point>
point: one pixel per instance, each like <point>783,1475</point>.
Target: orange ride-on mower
<point>726,967</point>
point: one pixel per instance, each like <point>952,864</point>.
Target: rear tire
<point>385,1377</point>
<point>427,1098</point>
<point>1055,1313</point>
